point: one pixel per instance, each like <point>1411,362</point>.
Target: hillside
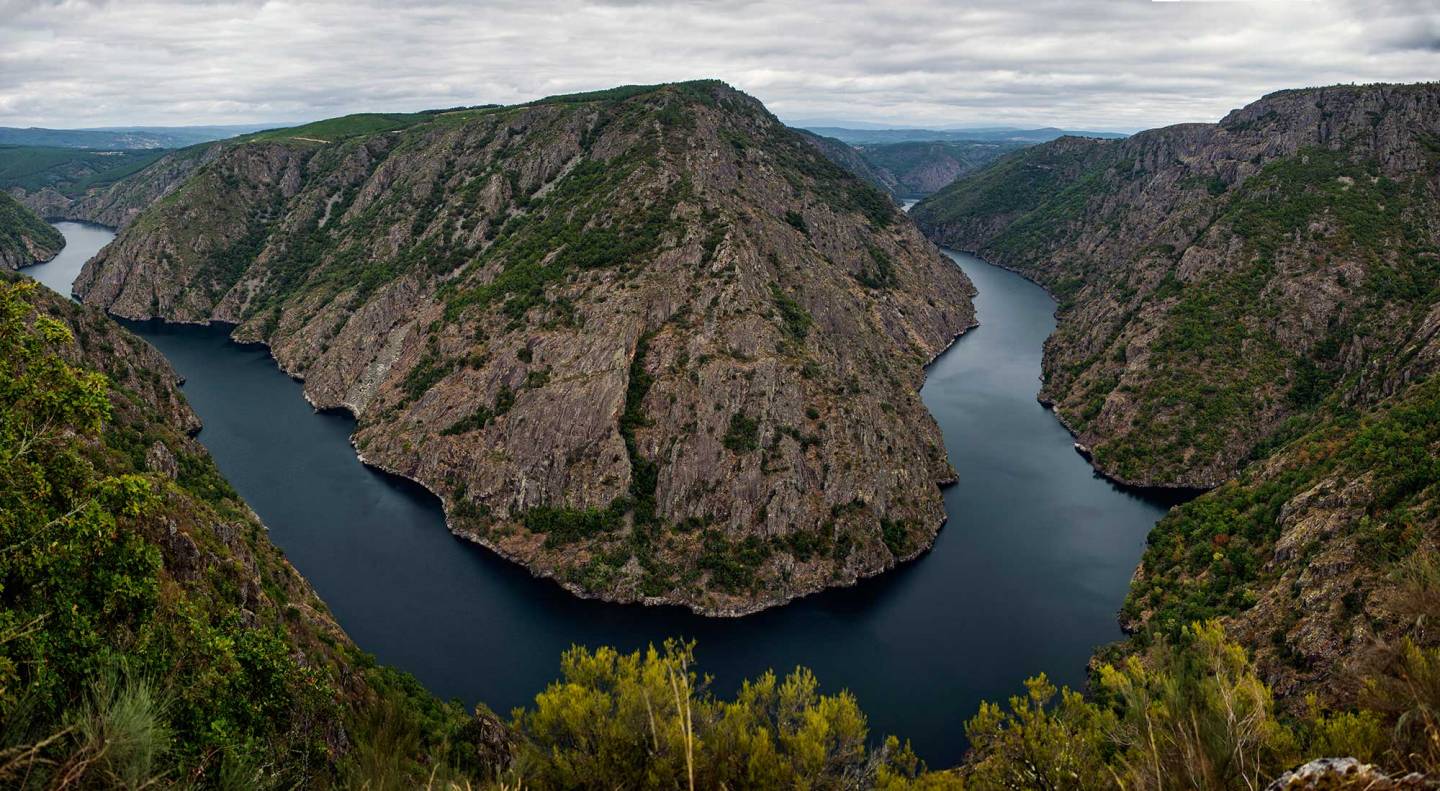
<point>1222,286</point>
<point>149,630</point>
<point>922,168</point>
<point>69,171</point>
<point>1252,306</point>
<point>25,239</point>
<point>123,138</point>
<point>851,159</point>
<point>645,341</point>
<point>74,186</point>
<point>988,134</point>
<point>911,170</point>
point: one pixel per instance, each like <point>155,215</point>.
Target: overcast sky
<point>1081,64</point>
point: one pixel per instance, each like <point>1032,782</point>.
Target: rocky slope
<point>25,239</point>
<point>645,341</point>
<point>850,158</point>
<point>1314,556</point>
<point>111,198</point>
<point>126,549</point>
<point>1253,306</point>
<point>924,167</point>
<point>1220,282</point>
<point>911,169</point>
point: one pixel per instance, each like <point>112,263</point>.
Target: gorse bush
<point>649,720</point>
<point>1193,714</point>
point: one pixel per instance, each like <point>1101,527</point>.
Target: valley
<point>471,625</point>
<point>611,368</point>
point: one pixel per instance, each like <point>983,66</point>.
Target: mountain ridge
<point>1182,202</point>
<point>720,429</point>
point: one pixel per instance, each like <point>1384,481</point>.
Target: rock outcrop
<point>1218,282</point>
<point>25,239</point>
<point>646,341</point>
<point>1348,774</point>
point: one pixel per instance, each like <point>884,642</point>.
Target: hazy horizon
<point>1087,64</point>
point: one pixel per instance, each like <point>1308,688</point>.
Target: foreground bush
<point>648,720</point>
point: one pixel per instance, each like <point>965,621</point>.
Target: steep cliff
<point>645,341</point>
<point>1222,284</point>
<point>144,610</point>
<point>25,239</point>
<point>1253,306</point>
<point>1315,556</point>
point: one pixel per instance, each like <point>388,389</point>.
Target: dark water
<point>82,240</point>
<point>1026,577</point>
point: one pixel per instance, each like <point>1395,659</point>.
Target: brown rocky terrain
<point>1218,282</point>
<point>646,341</point>
<point>1252,306</point>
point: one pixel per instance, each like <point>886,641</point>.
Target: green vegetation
<point>1035,182</point>
<point>913,164</point>
<point>140,646</point>
<point>797,221</point>
<point>346,126</point>
<point>1207,557</point>
<point>19,225</point>
<point>881,271</point>
<point>793,316</point>
<point>562,234</point>
<point>648,720</point>
<point>69,171</point>
<point>743,434</point>
<point>1190,713</point>
<point>623,92</point>
<point>568,525</point>
<point>644,473</point>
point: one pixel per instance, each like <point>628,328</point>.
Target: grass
<point>346,126</point>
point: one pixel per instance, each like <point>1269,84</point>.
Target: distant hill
<point>860,137</point>
<point>69,171</point>
<point>913,169</point>
<point>125,137</point>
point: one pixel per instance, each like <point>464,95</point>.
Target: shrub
<point>743,435</point>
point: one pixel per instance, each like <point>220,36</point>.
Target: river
<point>1026,577</point>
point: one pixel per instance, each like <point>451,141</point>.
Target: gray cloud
<point>1080,63</point>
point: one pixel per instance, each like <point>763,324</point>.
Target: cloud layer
<point>1097,64</point>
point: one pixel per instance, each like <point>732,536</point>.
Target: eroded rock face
<point>1219,280</point>
<point>646,342</point>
